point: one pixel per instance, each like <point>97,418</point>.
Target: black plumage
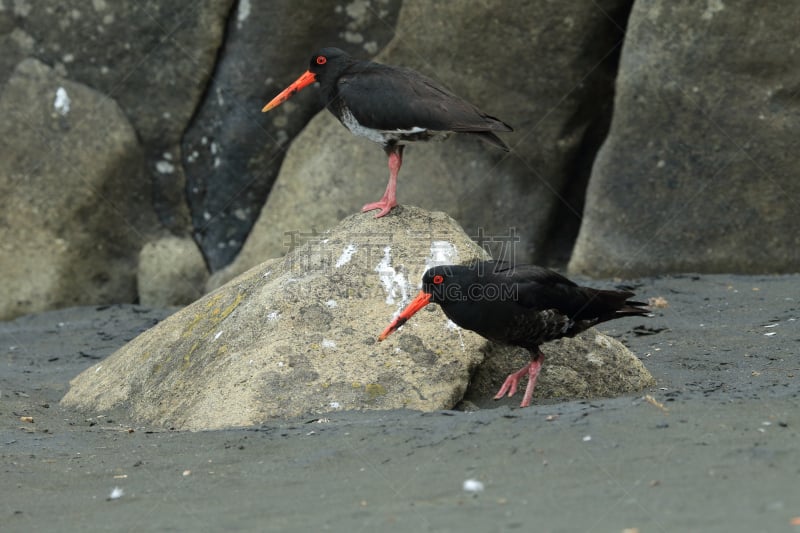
<point>522,305</point>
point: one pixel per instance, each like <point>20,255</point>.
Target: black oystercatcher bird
<point>523,305</point>
<point>391,106</point>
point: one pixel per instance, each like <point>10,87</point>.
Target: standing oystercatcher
<point>523,305</point>
<point>391,106</point>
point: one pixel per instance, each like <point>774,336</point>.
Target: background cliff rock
<point>231,151</point>
<point>154,58</point>
<point>700,168</point>
<point>74,202</point>
<point>540,78</point>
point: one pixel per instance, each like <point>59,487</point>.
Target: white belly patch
<point>378,136</point>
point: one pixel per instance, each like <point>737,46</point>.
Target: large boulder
<point>75,204</point>
<point>231,151</point>
<point>153,57</point>
<point>699,171</point>
<point>544,67</point>
<point>299,334</point>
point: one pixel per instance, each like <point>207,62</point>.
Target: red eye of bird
<point>321,60</point>
<point>438,279</point>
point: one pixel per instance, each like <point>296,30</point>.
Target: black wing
<point>540,289</point>
<point>389,98</point>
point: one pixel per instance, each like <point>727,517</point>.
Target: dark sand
<point>726,456</point>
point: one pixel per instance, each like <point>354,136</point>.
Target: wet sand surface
<point>720,453</point>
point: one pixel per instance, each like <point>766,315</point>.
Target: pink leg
<point>389,198</point>
<point>512,381</point>
<point>533,372</point>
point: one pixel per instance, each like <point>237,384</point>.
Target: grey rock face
<point>74,201</point>
<point>231,151</point>
<point>699,171</point>
<point>154,58</point>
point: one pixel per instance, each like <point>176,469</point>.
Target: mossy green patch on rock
<point>374,390</point>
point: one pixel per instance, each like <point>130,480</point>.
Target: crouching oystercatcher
<point>522,305</point>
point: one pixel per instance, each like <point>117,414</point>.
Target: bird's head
<point>326,63</point>
<point>440,284</point>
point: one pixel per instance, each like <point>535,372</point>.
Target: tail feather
<point>616,304</point>
<point>490,138</point>
<point>633,308</point>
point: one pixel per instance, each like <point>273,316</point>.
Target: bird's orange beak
<point>303,81</point>
<point>421,300</point>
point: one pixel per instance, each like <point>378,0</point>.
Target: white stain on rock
<point>442,253</point>
<point>452,326</point>
<point>712,7</point>
<point>358,10</point>
<point>327,343</point>
<point>394,283</point>
<point>347,255</point>
<point>62,102</point>
<point>472,485</point>
<point>165,167</point>
<point>243,13</point>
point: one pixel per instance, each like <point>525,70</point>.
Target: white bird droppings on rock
<point>347,254</point>
<point>594,359</point>
<point>165,167</point>
<point>442,253</point>
<point>472,485</point>
<point>273,316</point>
<point>452,326</point>
<point>393,282</point>
<point>62,102</point>
<point>603,341</point>
<point>327,343</point>
<point>242,13</point>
